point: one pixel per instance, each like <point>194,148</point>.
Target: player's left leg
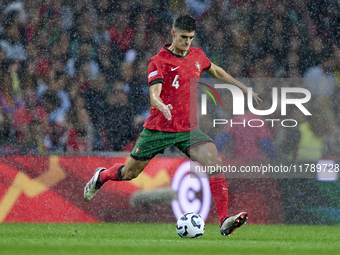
<point>207,155</point>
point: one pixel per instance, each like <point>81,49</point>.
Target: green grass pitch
<point>143,238</point>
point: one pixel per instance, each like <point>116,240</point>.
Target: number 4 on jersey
<point>175,82</point>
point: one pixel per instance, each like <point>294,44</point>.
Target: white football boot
<point>229,224</point>
<point>92,187</point>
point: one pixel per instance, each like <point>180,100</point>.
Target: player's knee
<point>213,160</point>
<point>219,159</point>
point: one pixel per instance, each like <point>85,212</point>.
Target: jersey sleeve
<point>206,63</point>
<point>155,73</point>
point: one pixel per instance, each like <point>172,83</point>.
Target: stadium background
<point>74,93</point>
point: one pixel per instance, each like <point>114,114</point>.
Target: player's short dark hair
<point>185,22</point>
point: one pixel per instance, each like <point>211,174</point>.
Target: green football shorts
<point>152,142</point>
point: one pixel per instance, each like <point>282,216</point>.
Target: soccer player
<point>169,123</point>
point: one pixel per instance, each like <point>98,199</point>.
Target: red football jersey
<point>174,72</point>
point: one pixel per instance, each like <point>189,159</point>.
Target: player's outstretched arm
<point>156,101</point>
<point>218,72</point>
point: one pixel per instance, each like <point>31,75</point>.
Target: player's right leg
<point>149,144</point>
<point>118,172</point>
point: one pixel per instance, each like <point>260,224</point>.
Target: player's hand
<point>256,97</point>
<point>166,111</point>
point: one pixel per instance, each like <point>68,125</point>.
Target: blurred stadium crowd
<point>74,73</point>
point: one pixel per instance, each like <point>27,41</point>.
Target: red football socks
<point>219,191</point>
<point>112,173</point>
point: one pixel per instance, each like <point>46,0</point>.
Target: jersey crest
<point>198,67</point>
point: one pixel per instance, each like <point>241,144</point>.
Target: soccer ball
<point>190,225</point>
